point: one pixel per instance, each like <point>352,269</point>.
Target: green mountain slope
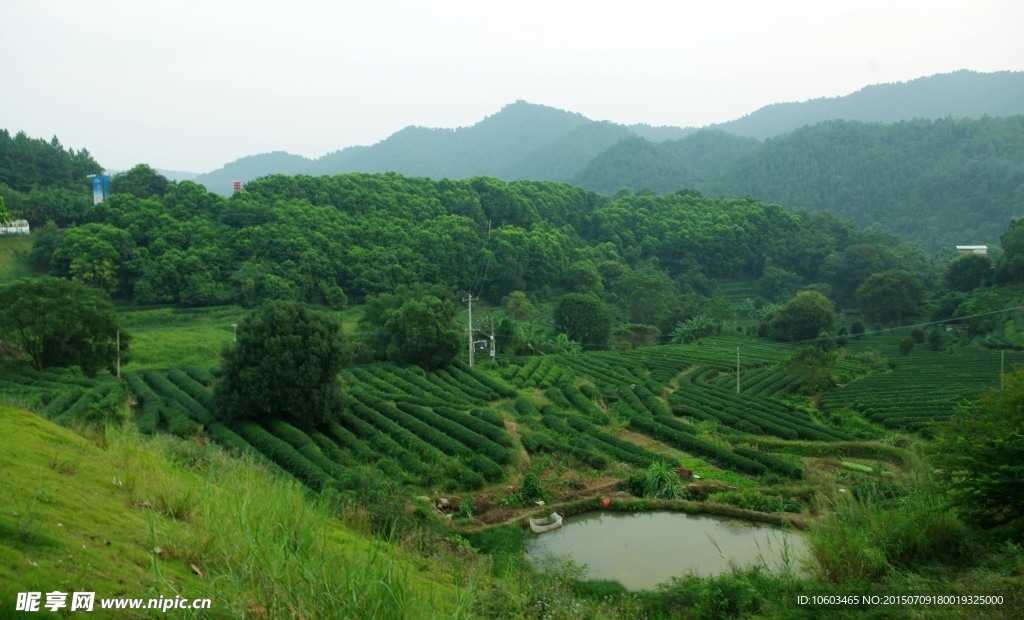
<point>962,94</point>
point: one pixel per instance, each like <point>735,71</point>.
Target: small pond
<point>641,550</point>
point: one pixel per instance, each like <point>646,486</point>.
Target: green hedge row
<point>284,454</point>
<point>686,442</point>
<point>467,437</point>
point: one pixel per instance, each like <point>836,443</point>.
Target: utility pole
<point>494,351</point>
<point>469,327</point>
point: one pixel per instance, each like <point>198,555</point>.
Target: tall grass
<point>269,548</point>
<point>869,534</point>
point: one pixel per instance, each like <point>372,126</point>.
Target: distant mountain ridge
<point>530,141</point>
<point>962,94</point>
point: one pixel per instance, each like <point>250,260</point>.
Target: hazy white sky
<point>193,84</point>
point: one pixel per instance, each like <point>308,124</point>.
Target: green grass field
<point>12,249</point>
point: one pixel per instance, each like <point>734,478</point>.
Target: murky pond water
<point>641,550</point>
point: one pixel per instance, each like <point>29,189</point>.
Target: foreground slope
<point>126,517</point>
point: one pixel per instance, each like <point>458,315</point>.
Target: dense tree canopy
<point>804,317</point>
<point>968,272</point>
<point>56,322</point>
<point>284,365</point>
<point>889,296</point>
<point>980,453</point>
<point>583,318</point>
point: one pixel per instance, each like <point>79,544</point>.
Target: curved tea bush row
<point>467,437</point>
<point>525,372</point>
<point>175,398</point>
<point>230,440</point>
<point>771,416</point>
<point>415,383</point>
<point>448,446</point>
<point>331,449</point>
<point>150,405</point>
<point>499,389</point>
<point>536,443</point>
<point>686,442</point>
<point>526,408</point>
<point>775,464</point>
<point>108,401</point>
<point>348,441</point>
<point>61,401</point>
<point>557,398</point>
<point>305,445</point>
<point>611,445</point>
<point>284,454</point>
<point>383,384</point>
<point>575,397</point>
<point>204,376</point>
<point>383,445</point>
<point>449,384</point>
<point>486,423</point>
<point>196,390</point>
<point>434,465</point>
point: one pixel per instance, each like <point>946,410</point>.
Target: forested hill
<point>963,94</point>
<point>528,141</point>
<point>938,183</point>
<point>326,239</point>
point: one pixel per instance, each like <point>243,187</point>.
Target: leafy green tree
<point>777,283</point>
<point>632,335</point>
<point>815,367</point>
<point>968,272</point>
<point>585,319</point>
<point>421,331</point>
<point>984,303</point>
<point>804,317</point>
<point>45,240</point>
<point>96,254</point>
<point>55,322</point>
<point>889,296</point>
<point>583,277</point>
<point>647,294</point>
<point>1011,264</point>
<point>5,216</point>
<point>142,181</point>
<point>980,453</point>
<point>518,305</point>
<point>284,365</point>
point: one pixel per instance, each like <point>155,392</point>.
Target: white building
<point>972,249</point>
<point>17,227</point>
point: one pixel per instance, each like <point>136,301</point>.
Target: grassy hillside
<point>11,264</point>
<point>125,516</point>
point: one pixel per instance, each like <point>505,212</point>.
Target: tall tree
<point>968,272</point>
<point>889,296</point>
<point>805,317</point>
<point>56,322</point>
<point>585,319</point>
<point>284,365</point>
<point>142,181</point>
<point>421,332</point>
<point>980,453</point>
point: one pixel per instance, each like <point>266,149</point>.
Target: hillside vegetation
<point>128,517</point>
